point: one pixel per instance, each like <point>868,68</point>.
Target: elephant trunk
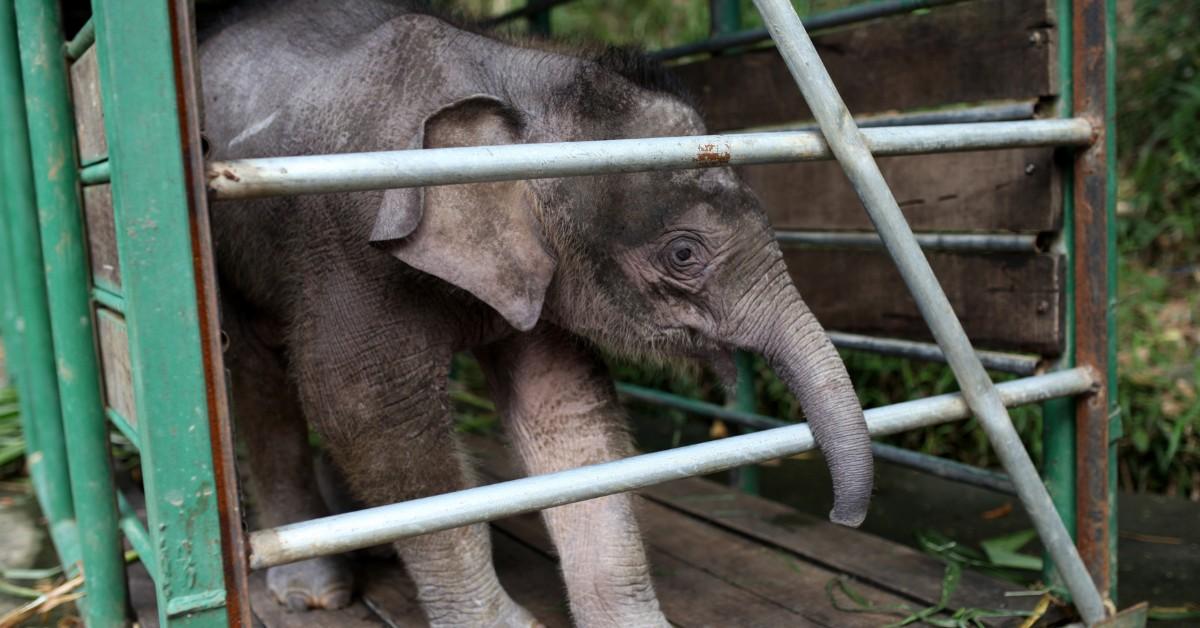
<point>800,353</point>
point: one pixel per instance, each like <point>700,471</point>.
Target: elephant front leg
<point>386,423</point>
<point>561,412</point>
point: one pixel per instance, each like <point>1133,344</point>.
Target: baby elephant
<point>344,310</point>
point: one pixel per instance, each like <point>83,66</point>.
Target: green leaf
<point>1003,551</point>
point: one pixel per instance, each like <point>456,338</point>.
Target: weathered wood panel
<point>970,52</point>
<point>114,361</point>
<point>876,562</point>
<point>89,115</point>
<point>1005,301</point>
<point>1007,190</point>
<point>102,236</point>
<point>790,579</point>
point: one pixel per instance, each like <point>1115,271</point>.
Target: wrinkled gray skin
<point>345,309</point>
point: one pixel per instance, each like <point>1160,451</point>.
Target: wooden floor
<point>719,558</point>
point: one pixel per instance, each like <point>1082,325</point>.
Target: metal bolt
<point>1030,168</point>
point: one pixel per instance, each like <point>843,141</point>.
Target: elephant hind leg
<point>279,462</point>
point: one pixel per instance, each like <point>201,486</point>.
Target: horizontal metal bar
<point>136,534</point>
<point>81,42</point>
<point>95,173</point>
<point>279,176</point>
<point>822,21</point>
<point>702,408</point>
<point>124,427</point>
<point>531,8</point>
<point>930,352</point>
<point>994,112</point>
<point>364,528</point>
<point>943,468</point>
<point>934,465</point>
<point>969,242</point>
<point>108,299</point>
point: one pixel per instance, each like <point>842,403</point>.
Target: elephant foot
<point>517,617</point>
<point>324,582</point>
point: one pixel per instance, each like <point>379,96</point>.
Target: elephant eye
<point>684,256</point>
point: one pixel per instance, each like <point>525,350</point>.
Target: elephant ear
<point>481,237</point>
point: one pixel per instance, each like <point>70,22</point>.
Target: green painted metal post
<point>539,23</point>
<point>1058,415</point>
<point>41,412</point>
<point>151,191</point>
<point>725,16</point>
<point>68,281</point>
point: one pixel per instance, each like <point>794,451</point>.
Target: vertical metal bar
<point>1058,415</point>
<point>151,121</point>
<point>41,416</point>
<point>539,21</point>
<point>725,16</point>
<point>848,145</point>
<point>1094,279</point>
<point>56,186</point>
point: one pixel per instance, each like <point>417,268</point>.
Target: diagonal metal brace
<point>850,149</point>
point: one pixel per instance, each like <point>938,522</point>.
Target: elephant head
<point>680,263</point>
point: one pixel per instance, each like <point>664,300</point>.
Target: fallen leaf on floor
<point>998,512</point>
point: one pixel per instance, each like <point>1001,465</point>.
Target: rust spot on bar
<point>708,155</point>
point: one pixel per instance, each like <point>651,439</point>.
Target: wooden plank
<point>679,545</point>
<point>529,577</point>
<point>275,615</point>
<point>102,236</point>
<point>115,365</point>
<point>970,52</point>
<point>877,562</point>
<point>688,594</point>
<point>1005,301</point>
<point>1007,190</point>
<point>89,115</point>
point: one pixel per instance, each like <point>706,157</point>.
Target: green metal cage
<point>108,124</point>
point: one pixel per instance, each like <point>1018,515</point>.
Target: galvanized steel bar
<point>853,152</point>
<point>995,360</point>
<point>56,186</point>
<point>41,411</point>
<point>280,176</point>
<point>933,465</point>
<point>364,528</point>
<point>964,242</point>
<point>821,21</point>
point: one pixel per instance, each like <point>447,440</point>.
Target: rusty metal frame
<point>1095,279</point>
<point>233,545</point>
